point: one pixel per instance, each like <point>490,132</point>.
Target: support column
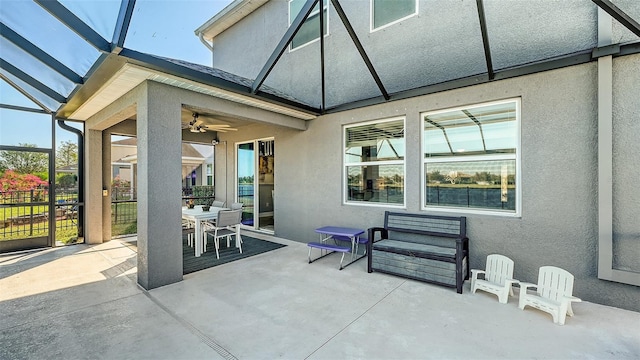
<point>93,187</point>
<point>106,184</point>
<point>159,189</point>
<point>605,150</point>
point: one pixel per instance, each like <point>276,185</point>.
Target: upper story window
<point>387,12</point>
<point>374,166</point>
<point>471,158</point>
<point>310,30</point>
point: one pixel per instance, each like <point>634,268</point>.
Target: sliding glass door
<point>255,183</point>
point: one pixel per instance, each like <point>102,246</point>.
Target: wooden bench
<point>423,247</point>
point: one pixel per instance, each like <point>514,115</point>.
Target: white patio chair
<point>554,293</point>
<point>227,225</point>
<point>498,277</point>
<point>188,228</point>
<point>217,203</point>
<point>236,206</point>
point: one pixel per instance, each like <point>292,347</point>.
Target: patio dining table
<point>197,215</point>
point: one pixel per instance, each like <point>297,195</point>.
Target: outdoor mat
<point>250,247</point>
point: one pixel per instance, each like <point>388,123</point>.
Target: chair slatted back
<point>554,283</point>
<point>236,206</point>
<point>228,217</point>
<point>498,269</point>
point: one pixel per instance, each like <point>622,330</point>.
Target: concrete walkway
<point>82,302</point>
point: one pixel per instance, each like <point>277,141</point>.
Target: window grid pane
<point>474,184</point>
<point>388,11</point>
<point>376,183</point>
<point>480,130</point>
<point>470,157</point>
<point>375,142</point>
<point>374,162</point>
<point>310,28</point>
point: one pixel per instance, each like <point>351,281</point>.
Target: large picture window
<point>471,158</point>
<point>387,12</point>
<point>374,163</point>
<point>310,29</point>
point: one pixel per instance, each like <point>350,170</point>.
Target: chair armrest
<point>476,272</point>
<point>572,299</point>
<point>525,285</point>
<point>512,281</point>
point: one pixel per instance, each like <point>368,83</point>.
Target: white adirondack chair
<point>554,293</point>
<point>498,277</point>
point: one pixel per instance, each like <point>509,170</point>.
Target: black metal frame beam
<point>26,94</point>
<point>122,25</point>
<point>323,103</point>
<point>75,24</point>
<point>284,42</point>
<point>164,66</point>
<point>485,38</point>
<point>570,60</point>
<point>619,15</point>
<point>356,42</point>
<point>31,81</point>
<point>23,108</point>
<point>39,54</point>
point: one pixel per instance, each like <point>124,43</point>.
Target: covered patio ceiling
<point>79,66</point>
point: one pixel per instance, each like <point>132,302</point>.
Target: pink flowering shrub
<point>12,184</point>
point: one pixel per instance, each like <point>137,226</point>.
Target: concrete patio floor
<point>82,302</point>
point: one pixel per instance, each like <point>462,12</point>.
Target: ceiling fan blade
<point>214,126</point>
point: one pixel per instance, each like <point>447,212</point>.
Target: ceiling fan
<point>196,125</point>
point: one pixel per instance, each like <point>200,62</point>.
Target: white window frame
<point>345,166</point>
<point>443,159</point>
<point>371,11</point>
<point>326,19</point>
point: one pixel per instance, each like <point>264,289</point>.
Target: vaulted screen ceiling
<point>58,53</point>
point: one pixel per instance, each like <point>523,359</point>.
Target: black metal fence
<point>24,214</point>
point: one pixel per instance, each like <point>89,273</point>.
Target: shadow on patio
<point>275,305</point>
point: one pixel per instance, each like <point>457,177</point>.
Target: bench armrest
<point>384,234</point>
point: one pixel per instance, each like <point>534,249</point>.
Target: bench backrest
<point>407,226</point>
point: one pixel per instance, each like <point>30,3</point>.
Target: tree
<point>24,162</point>
<point>67,154</point>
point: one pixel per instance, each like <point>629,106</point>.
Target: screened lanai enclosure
<point>70,83</point>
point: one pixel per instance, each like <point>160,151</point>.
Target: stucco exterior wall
<point>558,225</point>
<point>420,50</point>
<point>559,126</point>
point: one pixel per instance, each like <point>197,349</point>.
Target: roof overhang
<point>119,74</point>
<point>228,17</point>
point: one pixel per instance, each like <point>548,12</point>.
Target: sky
<point>159,27</point>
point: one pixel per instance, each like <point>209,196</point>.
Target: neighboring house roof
<point>189,154</point>
<point>67,169</point>
<point>127,142</point>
